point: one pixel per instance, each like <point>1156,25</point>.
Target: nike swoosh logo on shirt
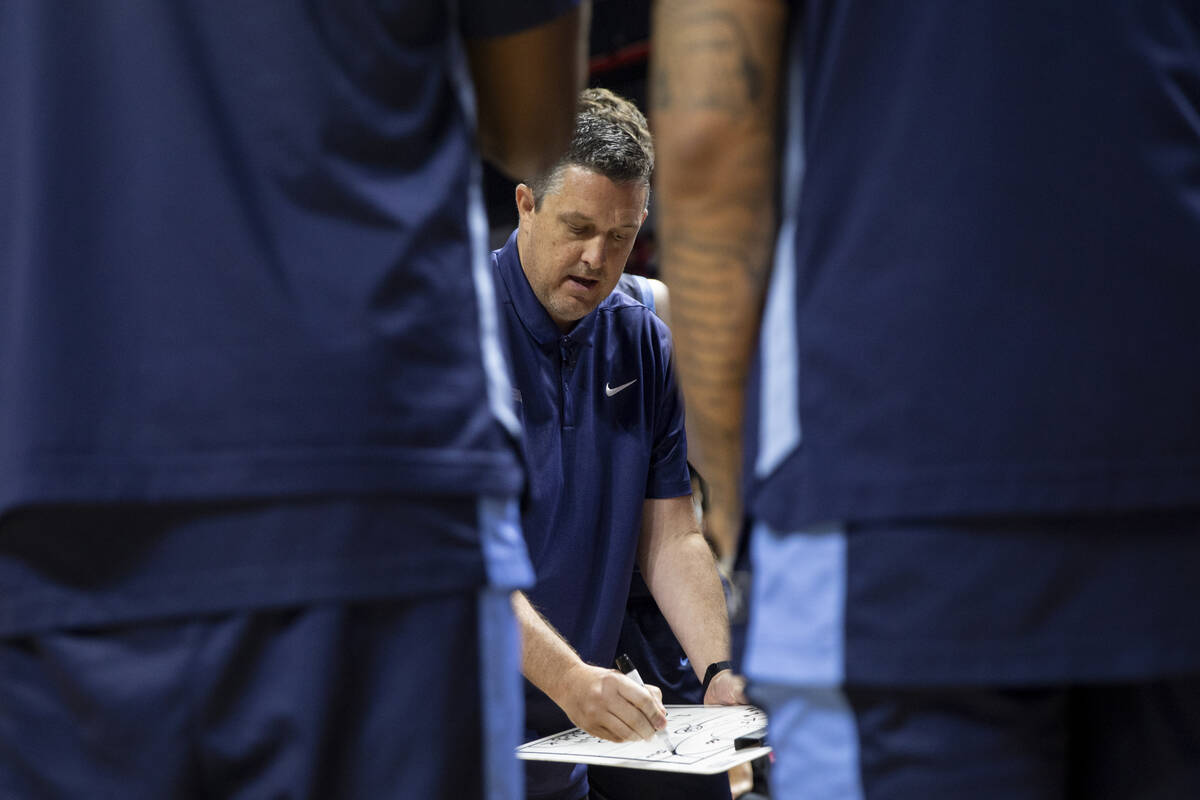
<point>610,390</point>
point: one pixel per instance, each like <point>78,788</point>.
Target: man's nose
<point>595,251</point>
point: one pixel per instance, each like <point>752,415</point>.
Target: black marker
<point>626,667</point>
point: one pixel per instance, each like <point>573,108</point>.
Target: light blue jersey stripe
<point>499,384</point>
<point>779,413</point>
<point>505,555</point>
<point>815,737</point>
<point>503,698</point>
<point>508,566</point>
<point>796,658</point>
<point>797,606</point>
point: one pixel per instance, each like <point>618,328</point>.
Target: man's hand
<point>601,701</point>
<point>726,689</point>
<point>609,705</point>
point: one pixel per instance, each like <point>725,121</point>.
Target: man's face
<point>574,248</point>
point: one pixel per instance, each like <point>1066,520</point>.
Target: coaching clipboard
<point>703,737</point>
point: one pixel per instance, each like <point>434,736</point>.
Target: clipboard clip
<point>756,738</point>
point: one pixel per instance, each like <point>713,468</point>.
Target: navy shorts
<point>1011,658</point>
<point>414,697</point>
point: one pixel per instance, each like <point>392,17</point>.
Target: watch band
<point>711,672</point>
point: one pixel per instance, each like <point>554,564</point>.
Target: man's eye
<point>620,237</point>
<point>577,229</point>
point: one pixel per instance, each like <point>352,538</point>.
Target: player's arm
<point>714,86</point>
<point>526,87</point>
<point>682,575</point>
<point>601,701</point>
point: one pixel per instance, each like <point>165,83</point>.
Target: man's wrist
<point>713,670</point>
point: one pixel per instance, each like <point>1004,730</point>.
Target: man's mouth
<point>586,283</point>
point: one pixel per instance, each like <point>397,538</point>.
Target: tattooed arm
<point>714,102</point>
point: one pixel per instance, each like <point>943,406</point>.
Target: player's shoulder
<point>638,287</point>
<point>629,315</point>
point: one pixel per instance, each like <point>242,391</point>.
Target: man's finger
<point>634,728</point>
<point>647,704</point>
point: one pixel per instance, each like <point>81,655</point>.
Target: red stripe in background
<point>629,54</point>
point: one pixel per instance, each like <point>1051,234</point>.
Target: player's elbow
<point>526,148</point>
<point>526,88</point>
<point>690,151</point>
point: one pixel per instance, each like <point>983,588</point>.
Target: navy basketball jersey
<point>985,295</point>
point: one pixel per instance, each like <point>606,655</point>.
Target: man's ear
<point>525,201</point>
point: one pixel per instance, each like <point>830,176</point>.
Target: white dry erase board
<point>702,735</point>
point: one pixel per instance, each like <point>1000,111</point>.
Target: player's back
<point>236,254</point>
<point>995,262</point>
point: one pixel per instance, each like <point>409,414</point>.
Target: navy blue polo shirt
<point>595,452</point>
<point>243,261</point>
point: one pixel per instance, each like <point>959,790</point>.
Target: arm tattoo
<point>712,43</point>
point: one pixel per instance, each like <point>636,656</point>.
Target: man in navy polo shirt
<point>605,447</point>
<point>258,469</point>
<point>974,460</point>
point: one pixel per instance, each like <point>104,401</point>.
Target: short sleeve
<point>669,475</point>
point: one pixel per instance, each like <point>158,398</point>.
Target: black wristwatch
<point>710,673</point>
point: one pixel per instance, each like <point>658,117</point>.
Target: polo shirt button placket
<point>567,350</point>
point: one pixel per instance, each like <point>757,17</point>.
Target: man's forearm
<point>689,594</point>
<point>546,657</point>
<point>682,575</point>
<point>713,99</point>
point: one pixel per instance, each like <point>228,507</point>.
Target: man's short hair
<point>611,138</point>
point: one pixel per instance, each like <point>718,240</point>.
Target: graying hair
<point>611,138</point>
